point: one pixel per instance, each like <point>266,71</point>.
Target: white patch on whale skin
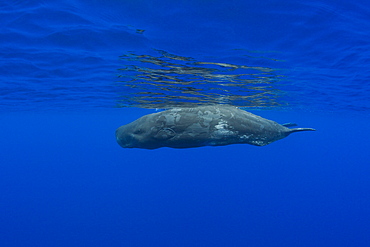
<point>254,140</point>
<point>246,137</point>
<point>221,125</point>
<point>222,130</point>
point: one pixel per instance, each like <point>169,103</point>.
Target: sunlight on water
<point>168,80</point>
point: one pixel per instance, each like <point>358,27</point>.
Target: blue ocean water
<point>73,71</point>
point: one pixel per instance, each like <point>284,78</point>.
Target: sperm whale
<point>214,125</point>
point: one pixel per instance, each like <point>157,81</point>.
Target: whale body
<point>214,125</point>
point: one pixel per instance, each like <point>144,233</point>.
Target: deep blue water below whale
<point>73,71</point>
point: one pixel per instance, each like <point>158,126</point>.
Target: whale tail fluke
<point>300,129</point>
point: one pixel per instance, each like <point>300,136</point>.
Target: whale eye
<point>138,131</point>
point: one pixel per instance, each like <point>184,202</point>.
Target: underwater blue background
<point>64,71</point>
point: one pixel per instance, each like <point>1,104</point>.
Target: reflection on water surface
<point>168,80</point>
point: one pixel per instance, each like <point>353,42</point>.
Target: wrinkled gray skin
<point>215,125</point>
